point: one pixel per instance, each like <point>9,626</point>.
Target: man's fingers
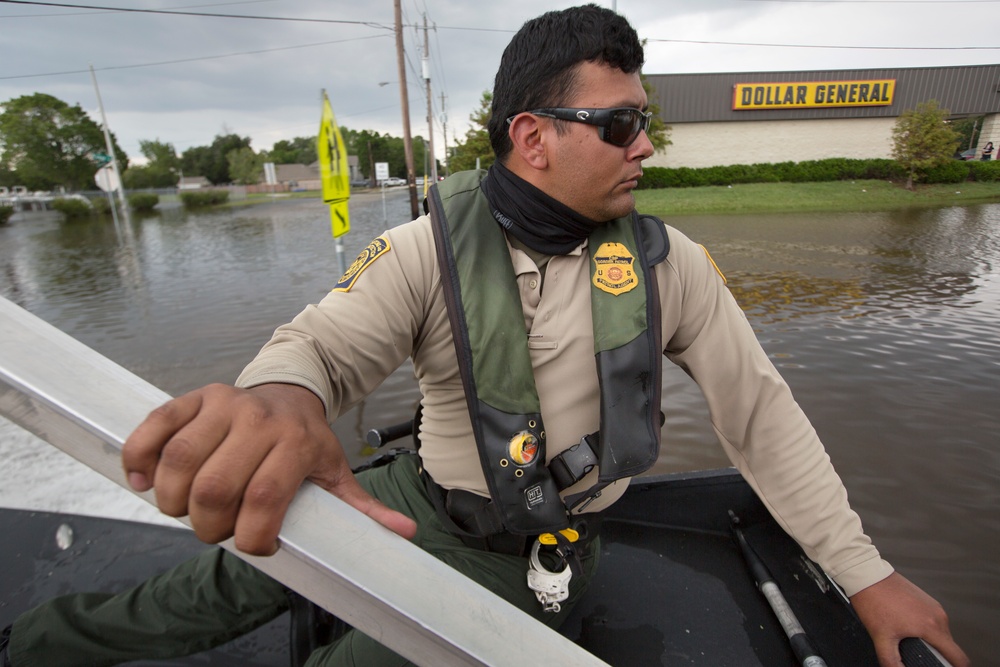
<point>224,486</point>
<point>351,493</point>
<point>141,452</point>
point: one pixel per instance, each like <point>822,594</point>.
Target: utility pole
<point>426,66</point>
<point>405,102</point>
<point>444,125</point>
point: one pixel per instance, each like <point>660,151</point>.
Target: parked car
<point>393,180</point>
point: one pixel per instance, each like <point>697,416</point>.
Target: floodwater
<point>886,325</point>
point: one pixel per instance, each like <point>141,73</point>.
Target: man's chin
<point>622,205</point>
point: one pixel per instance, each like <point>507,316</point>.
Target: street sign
<point>381,171</point>
<point>100,158</point>
<point>107,179</point>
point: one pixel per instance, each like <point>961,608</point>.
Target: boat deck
<point>672,587</point>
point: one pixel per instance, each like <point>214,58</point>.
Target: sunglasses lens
<point>625,127</point>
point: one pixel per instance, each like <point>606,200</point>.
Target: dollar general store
<point>748,117</point>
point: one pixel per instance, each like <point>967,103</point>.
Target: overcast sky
<point>185,79</point>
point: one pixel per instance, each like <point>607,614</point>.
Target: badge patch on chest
<point>375,249</point>
<point>614,272</point>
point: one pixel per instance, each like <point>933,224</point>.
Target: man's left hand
<point>894,609</point>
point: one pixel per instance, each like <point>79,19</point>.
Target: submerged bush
<point>72,208</point>
<point>203,198</point>
<point>101,205</point>
<point>5,213</point>
<point>143,201</point>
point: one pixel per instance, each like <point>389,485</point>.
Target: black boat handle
<point>918,653</point>
<point>377,437</point>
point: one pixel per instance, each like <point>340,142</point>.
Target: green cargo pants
<point>216,597</point>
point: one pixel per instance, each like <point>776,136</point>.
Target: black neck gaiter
<point>531,216</point>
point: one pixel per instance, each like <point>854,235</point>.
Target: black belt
<point>475,520</point>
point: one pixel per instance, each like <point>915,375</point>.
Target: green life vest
<point>484,307</point>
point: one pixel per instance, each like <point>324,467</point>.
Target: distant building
<point>298,176</point>
<point>750,117</point>
<point>307,177</point>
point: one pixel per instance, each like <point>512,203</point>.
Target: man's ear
<point>529,135</point>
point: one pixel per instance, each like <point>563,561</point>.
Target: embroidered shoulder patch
<point>375,249</point>
<point>717,270</point>
<point>613,270</point>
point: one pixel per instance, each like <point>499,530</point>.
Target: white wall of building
<point>713,144</point>
<point>990,132</point>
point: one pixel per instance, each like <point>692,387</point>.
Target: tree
<point>245,166</point>
<point>212,161</point>
<point>300,150</point>
<point>659,132</point>
<point>160,155</point>
<point>477,140</point>
<point>923,139</point>
<point>46,143</point>
<point>372,147</point>
<point>968,129</point>
<point>161,171</point>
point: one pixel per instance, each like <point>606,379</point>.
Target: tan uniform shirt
<point>345,346</point>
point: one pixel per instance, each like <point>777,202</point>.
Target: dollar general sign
<point>812,94</point>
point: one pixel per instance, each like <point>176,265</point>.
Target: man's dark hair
<point>538,67</point>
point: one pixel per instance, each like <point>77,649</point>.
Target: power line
<point>193,59</point>
<point>91,13</point>
<point>170,12</point>
<point>380,26</point>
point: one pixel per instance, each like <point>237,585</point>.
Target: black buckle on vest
<point>570,466</point>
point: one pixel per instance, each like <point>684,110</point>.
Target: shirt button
<point>532,283</point>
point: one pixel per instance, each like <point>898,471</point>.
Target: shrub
<point>143,201</point>
<point>955,171</point>
<point>204,198</point>
<point>101,205</point>
<point>984,172</point>
<point>831,169</point>
<point>5,213</point>
<point>72,208</point>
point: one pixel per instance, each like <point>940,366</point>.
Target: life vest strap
<point>570,466</point>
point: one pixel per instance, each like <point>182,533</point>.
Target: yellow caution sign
<point>333,170</point>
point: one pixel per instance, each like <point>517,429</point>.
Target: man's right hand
<point>232,460</point>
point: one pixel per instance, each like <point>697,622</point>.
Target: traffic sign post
<point>382,173</point>
<point>107,179</point>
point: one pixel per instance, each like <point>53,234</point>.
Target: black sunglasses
<point>619,126</point>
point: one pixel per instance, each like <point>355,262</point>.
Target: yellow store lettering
<point>812,94</point>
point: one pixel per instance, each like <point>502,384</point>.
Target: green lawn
<point>792,197</point>
<point>772,197</point>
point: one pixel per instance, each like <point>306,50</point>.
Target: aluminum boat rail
<point>86,405</point>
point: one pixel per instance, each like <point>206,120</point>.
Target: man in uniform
<point>501,296</point>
